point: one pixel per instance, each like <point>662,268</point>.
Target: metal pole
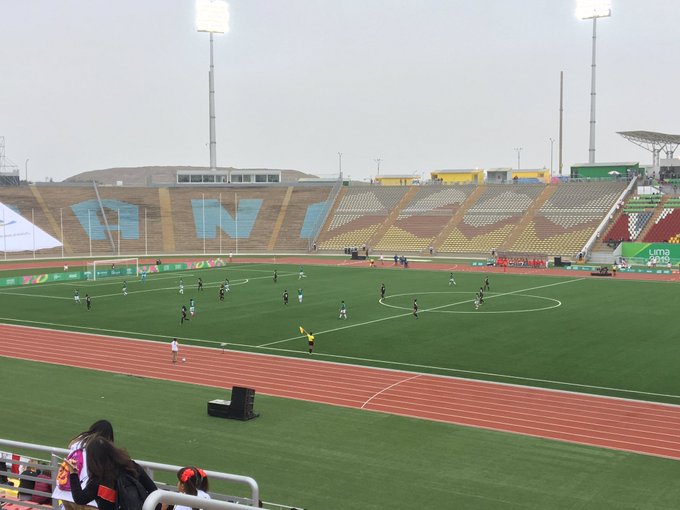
<point>211,97</point>
<point>591,149</point>
<point>89,229</point>
<point>119,232</point>
<point>61,222</point>
<point>519,150</point>
<point>378,160</point>
<point>552,141</point>
<point>33,221</point>
<point>559,149</point>
<point>146,237</point>
<point>340,163</point>
<point>203,195</point>
<point>4,233</point>
<point>220,214</point>
<point>26,167</point>
<point>236,217</point>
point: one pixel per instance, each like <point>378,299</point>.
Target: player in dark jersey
<point>382,291</point>
<point>221,292</point>
<point>285,297</point>
<point>276,276</point>
<point>415,308</point>
<point>481,295</point>
<point>200,283</point>
<point>184,315</point>
<point>486,283</point>
<point>88,301</point>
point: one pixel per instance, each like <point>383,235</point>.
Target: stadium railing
<point>151,467</point>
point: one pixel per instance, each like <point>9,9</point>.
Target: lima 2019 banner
<point>663,253</point>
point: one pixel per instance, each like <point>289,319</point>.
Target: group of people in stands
<point>93,472</point>
<point>94,475</point>
<point>503,261</point>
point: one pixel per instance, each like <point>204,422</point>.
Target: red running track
<point>629,425</point>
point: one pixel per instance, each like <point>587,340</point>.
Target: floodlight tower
<point>593,9</point>
<point>212,16</point>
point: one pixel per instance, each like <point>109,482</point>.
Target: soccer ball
<point>184,360</point>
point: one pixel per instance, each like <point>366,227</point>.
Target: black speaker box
<point>219,408</point>
<point>558,261</point>
<point>242,403</point>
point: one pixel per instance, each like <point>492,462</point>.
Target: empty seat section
<point>491,219</point>
<point>359,215</point>
<point>423,218</point>
<point>563,225</point>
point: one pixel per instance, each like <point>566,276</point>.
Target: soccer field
<point>603,336</point>
<point>582,334</point>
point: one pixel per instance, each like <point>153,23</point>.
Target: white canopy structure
<point>19,234</point>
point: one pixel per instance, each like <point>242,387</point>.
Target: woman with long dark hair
<point>106,464</point>
<point>62,489</point>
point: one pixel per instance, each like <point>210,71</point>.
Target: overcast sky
<point>422,84</point>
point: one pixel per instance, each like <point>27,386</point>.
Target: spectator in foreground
<point>106,464</point>
<point>193,482</point>
<point>78,455</point>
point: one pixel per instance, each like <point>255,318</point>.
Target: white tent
<point>19,234</point>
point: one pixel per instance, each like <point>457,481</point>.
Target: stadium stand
<point>418,224</point>
<point>359,214</point>
<point>568,218</point>
<point>491,219</point>
<point>468,219</point>
<point>170,220</point>
<point>666,227</point>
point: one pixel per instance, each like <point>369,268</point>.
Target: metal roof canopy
<point>653,142</point>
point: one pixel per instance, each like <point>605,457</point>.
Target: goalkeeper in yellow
<point>310,338</point>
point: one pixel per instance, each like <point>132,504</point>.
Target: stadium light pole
<point>212,16</point>
<point>519,151</point>
<point>26,168</point>
<point>340,163</point>
<point>593,9</point>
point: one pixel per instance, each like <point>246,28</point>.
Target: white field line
<point>422,310</point>
<point>388,388</point>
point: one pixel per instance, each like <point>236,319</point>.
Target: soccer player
<point>382,291</point>
<point>477,302</point>
<point>192,306</point>
<point>452,279</point>
<point>285,297</point>
<point>184,315</point>
<point>222,292</point>
<point>276,276</point>
<point>301,274</point>
<point>415,308</point>
<point>226,284</point>
<point>88,301</point>
<point>143,275</point>
<point>175,349</point>
<point>200,284</point>
<point>181,286</point>
<point>124,288</point>
<point>481,295</point>
<point>76,297</point>
<point>343,311</point>
<point>300,296</point>
<point>486,283</point>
